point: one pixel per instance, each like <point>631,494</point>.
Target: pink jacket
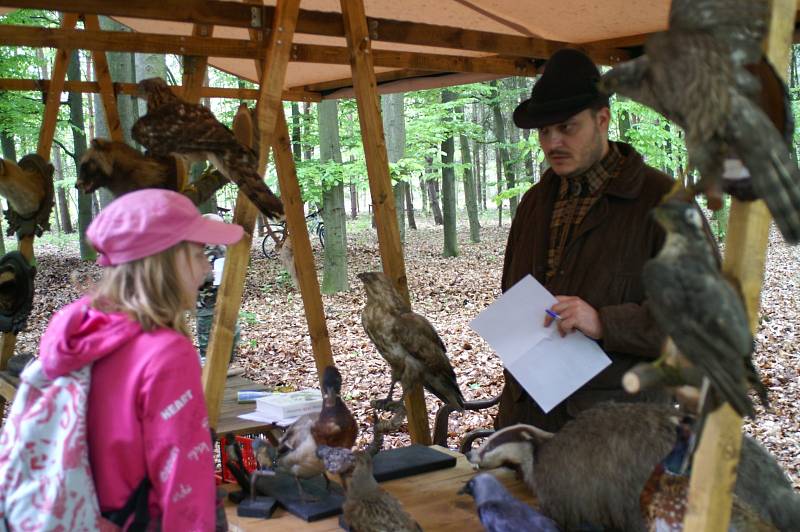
<point>146,412</point>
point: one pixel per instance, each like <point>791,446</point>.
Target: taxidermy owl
<point>175,127</point>
<point>694,74</point>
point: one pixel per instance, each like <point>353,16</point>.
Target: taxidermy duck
<point>367,506</point>
<point>408,342</point>
<point>334,426</point>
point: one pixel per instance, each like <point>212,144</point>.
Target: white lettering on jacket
<point>182,492</point>
<point>176,406</point>
<point>199,449</point>
<point>169,465</point>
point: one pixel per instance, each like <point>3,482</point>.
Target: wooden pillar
<point>103,76</point>
<point>714,466</point>
<point>46,134</point>
<point>380,183</point>
<point>303,256</point>
<point>229,298</point>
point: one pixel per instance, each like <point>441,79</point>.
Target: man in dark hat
<point>584,232</point>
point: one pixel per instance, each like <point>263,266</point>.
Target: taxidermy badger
<point>122,169</point>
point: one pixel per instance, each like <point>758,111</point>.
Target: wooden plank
<point>229,297</point>
<point>195,67</point>
<point>432,499</point>
<point>714,466</point>
<point>380,183</point>
<point>8,341</point>
<point>303,256</point>
<point>13,84</point>
<point>8,387</point>
<point>103,76</point>
<point>324,23</point>
<point>381,77</point>
<point>238,48</point>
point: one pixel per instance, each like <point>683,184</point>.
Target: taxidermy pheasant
<point>694,74</point>
<point>407,341</point>
<point>175,127</point>
<point>664,498</point>
<point>698,308</point>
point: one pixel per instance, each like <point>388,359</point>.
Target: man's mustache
<point>554,153</point>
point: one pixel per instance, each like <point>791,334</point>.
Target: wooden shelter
<point>332,49</point>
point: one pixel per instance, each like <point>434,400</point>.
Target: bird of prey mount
<point>176,127</point>
<point>698,308</point>
<point>408,342</point>
<point>694,74</point>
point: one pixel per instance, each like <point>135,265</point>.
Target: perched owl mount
<point>28,187</point>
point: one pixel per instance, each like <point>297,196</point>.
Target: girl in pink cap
<point>147,421</point>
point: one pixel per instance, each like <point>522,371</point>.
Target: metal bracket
<point>257,16</point>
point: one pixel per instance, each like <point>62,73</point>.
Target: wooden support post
<point>195,67</point>
<point>8,341</point>
<point>103,76</point>
<point>714,466</point>
<point>303,256</point>
<point>229,298</point>
<point>380,182</point>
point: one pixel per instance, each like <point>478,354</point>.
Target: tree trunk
<point>498,165</point>
<point>449,189</point>
<point>308,148</point>
<point>10,153</point>
<point>470,201</point>
<point>412,222</point>
<point>297,145</point>
<point>334,271</point>
<point>61,194</point>
<point>423,193</point>
<point>513,163</point>
<point>148,66</point>
<point>504,156</point>
<point>394,128</point>
<point>353,201</point>
<point>530,169</point>
<point>75,100</point>
<point>432,181</point>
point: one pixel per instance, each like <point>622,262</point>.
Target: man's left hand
<point>577,314</point>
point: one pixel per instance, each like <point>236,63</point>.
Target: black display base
<point>260,507</point>
<point>316,503</point>
<point>406,461</point>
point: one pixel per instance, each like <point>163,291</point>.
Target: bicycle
<point>276,234</point>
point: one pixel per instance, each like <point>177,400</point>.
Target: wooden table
<point>431,498</point>
<point>229,421</point>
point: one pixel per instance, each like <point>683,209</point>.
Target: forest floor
<point>276,349</point>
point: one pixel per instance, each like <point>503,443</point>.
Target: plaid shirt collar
<point>592,181</point>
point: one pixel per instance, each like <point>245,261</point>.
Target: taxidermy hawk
<point>408,342</point>
<point>694,74</point>
<point>698,308</point>
<point>175,127</point>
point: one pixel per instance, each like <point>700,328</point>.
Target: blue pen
<point>552,314</point>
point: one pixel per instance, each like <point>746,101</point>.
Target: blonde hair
<point>148,290</point>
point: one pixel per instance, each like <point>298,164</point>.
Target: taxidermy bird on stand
<point>334,426</point>
<point>175,127</point>
<point>710,42</point>
<point>408,342</point>
<point>699,309</point>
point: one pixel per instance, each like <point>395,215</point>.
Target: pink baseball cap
<point>148,221</point>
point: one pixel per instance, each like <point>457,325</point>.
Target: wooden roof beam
<point>241,15</point>
<point>13,84</point>
<point>12,35</point>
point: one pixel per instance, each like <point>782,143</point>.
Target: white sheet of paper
<point>219,264</point>
<point>258,416</point>
<point>549,367</point>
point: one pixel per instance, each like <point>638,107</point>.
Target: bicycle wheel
<point>268,244</point>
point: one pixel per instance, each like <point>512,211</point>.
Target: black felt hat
<point>567,87</point>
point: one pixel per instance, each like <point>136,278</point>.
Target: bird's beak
<point>363,276</point>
